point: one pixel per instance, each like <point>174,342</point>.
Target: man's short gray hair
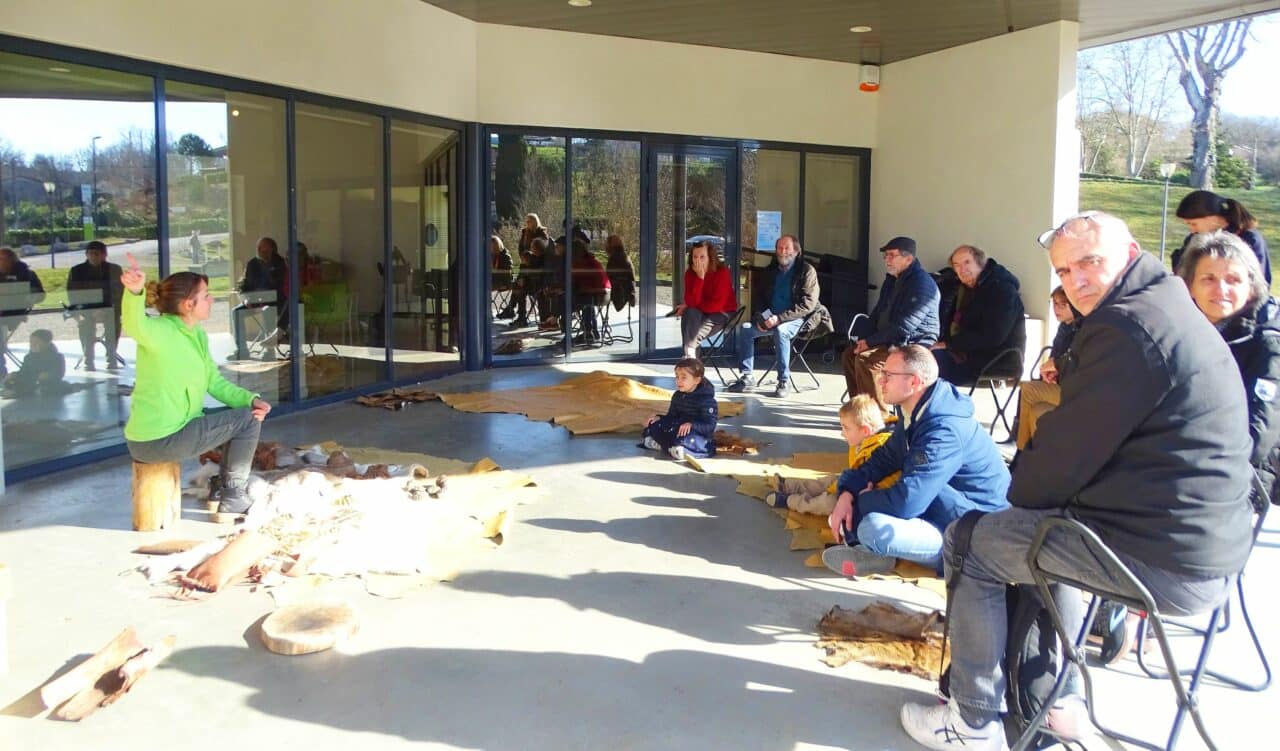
<point>919,361</point>
<point>1229,247</point>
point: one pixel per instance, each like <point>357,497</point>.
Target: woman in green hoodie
<point>167,422</point>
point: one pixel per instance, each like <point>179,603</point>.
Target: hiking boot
<point>741,386</point>
<point>940,727</point>
<point>857,560</point>
<point>233,501</point>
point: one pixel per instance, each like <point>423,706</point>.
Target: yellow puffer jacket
<point>863,451</point>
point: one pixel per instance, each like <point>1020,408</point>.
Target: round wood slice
<point>308,627</point>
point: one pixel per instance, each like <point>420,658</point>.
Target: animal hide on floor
<point>736,445</point>
<point>593,403</point>
<point>885,637</point>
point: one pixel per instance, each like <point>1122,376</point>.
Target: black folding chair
<point>810,331</point>
<point>1131,593</point>
<point>1002,371</point>
<point>719,346</point>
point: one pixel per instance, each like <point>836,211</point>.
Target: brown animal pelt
<point>264,456</point>
<point>883,636</point>
<point>728,443</point>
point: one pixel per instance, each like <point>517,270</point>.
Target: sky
<point>52,126</point>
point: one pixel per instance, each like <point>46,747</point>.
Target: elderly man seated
<point>949,466</point>
<point>1149,449</point>
<point>984,319</point>
<point>906,313</point>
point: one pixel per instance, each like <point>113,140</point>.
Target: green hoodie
<point>174,373</point>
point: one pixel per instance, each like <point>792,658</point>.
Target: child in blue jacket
<point>690,422</point>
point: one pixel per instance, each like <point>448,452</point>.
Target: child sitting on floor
<point>42,369</point>
<point>862,426</point>
<point>690,422</point>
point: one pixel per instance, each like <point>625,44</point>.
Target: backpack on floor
<point>1032,654</point>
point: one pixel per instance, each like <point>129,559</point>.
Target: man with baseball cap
<point>906,313</point>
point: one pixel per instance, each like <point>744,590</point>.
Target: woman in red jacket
<point>708,297</point>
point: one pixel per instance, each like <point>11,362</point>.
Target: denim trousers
<point>234,430</point>
<point>782,334</point>
<point>909,539</point>
<point>998,555</point>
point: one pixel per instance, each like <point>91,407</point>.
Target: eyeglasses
<point>890,373</point>
<point>1046,238</point>
<point>891,255</point>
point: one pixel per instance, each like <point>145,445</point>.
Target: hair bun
<point>152,291</point>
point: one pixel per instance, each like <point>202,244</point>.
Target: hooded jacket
<point>911,300</point>
<point>1150,446</point>
<point>991,319</point>
<point>942,445</point>
<point>698,407</point>
<point>1254,339</point>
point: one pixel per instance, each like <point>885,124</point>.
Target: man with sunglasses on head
<point>906,313</point>
<point>1149,449</point>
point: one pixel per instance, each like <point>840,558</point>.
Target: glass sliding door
<point>693,198</point>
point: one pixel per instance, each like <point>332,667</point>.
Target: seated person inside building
<point>1035,398</point>
<point>709,300</point>
<point>591,288</point>
<point>265,284</point>
<point>984,319</point>
<point>94,298</point>
<point>551,297</point>
<point>622,275</point>
<point>501,276</point>
<point>20,291</point>
<point>42,368</point>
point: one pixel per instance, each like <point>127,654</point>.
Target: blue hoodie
<point>942,445</point>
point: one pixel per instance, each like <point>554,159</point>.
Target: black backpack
<point>1032,654</point>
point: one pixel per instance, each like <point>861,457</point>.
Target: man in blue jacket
<point>949,466</point>
<point>906,313</point>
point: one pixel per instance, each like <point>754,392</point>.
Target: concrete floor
<point>638,605</point>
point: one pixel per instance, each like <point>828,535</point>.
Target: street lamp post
<point>93,196</point>
<point>1166,171</point>
<point>53,255</point>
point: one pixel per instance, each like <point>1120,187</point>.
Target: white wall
<point>977,145</point>
<point>541,77</point>
<point>401,53</point>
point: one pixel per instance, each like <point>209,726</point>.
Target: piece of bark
<point>139,665</point>
<point>308,627</point>
<point>167,547</point>
<point>87,673</point>
<point>114,683</point>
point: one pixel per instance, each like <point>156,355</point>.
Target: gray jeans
<point>234,430</point>
<point>998,554</point>
<point>696,326</point>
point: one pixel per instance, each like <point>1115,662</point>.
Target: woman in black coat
<point>1229,287</point>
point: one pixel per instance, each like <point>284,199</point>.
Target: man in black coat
<point>98,288</point>
<point>906,313</point>
<point>1150,450</point>
<point>15,300</point>
<point>266,272</point>
<point>985,319</point>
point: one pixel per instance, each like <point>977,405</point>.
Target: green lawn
<point>1139,205</point>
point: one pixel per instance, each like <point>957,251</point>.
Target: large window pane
<point>77,163</point>
<point>770,197</point>
<point>340,220</point>
<point>606,201</point>
<point>228,219</point>
<point>832,204</point>
<point>528,178</point>
<point>424,264</point>
<point>691,195</point>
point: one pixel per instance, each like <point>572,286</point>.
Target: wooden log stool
<point>157,495</point>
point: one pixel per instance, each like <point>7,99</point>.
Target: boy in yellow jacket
<point>862,426</point>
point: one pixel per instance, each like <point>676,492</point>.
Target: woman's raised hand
<point>132,278</point>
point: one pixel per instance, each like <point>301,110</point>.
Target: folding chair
<point>614,337</point>
<point>719,346</point>
<point>1002,371</point>
<point>1131,593</point>
<point>809,332</point>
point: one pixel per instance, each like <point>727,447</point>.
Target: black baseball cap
<point>900,244</point>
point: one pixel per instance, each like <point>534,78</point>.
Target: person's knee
<point>876,532</point>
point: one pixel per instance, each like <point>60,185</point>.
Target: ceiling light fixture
<point>859,29</point>
<point>580,3</point>
<point>57,69</point>
<point>235,113</point>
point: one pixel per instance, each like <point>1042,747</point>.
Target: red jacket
<point>713,294</point>
<point>589,276</point>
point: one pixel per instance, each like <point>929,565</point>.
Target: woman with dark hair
<point>174,372</point>
<point>591,288</point>
<point>1206,211</point>
<point>621,273</point>
<point>1226,283</point>
<point>708,297</point>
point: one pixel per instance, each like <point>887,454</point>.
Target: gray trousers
<point>234,430</point>
<point>998,554</point>
<point>696,326</point>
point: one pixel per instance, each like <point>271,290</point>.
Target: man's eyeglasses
<point>892,255</point>
<point>889,373</point>
<point>1047,237</point>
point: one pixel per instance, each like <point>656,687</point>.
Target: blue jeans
<point>910,539</point>
<point>998,554</point>
<point>782,334</point>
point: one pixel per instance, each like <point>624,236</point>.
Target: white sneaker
<point>651,444</point>
<point>940,727</point>
<point>677,453</point>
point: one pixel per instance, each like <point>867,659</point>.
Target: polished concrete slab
<point>637,605</point>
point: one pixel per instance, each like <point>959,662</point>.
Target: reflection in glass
<point>228,220</point>
<point>340,220</point>
<point>527,217</point>
<point>77,164</point>
<point>424,269</point>
<point>770,192</point>
<point>691,193</point>
<point>606,202</point>
<point>832,204</point>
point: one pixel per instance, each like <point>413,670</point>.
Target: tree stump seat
<point>157,495</point>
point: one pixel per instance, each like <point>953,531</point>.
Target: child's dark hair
<point>1202,203</point>
<point>693,365</point>
<point>43,335</point>
<point>177,288</point>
